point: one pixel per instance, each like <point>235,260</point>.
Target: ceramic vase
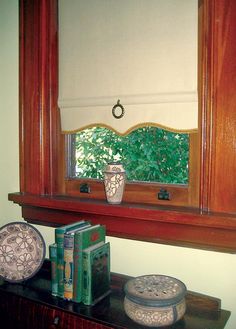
<point>114,182</point>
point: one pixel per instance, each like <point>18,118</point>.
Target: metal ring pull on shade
<point>114,112</point>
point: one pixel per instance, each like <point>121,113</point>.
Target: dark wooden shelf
<point>202,311</point>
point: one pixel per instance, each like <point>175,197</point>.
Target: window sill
<point>175,226</point>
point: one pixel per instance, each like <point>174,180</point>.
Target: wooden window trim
<point>174,226</point>
<point>210,226</point>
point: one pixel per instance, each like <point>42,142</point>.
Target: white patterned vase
<point>114,182</point>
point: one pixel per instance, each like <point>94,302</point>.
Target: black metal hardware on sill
<point>163,194</point>
<point>84,188</point>
<point>115,113</point>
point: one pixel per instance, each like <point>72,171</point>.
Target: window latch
<point>84,188</point>
<point>163,194</point>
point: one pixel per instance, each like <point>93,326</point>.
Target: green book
<point>83,239</point>
<point>53,259</point>
<point>69,260</point>
<point>59,239</point>
<point>96,273</point>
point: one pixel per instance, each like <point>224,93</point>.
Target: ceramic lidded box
<point>155,300</point>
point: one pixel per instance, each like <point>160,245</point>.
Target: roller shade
<point>128,63</point>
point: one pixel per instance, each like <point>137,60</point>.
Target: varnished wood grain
<point>176,226</point>
<point>39,117</point>
<point>223,159</point>
<point>218,168</point>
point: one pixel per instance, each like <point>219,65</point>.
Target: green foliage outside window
<point>147,154</point>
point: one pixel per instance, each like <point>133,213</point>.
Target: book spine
<point>86,279</point>
<point>77,288</point>
<point>68,265</point>
<point>59,239</point>
<point>53,259</point>
<point>60,262</point>
<point>100,273</point>
<point>96,283</point>
<point>82,240</point>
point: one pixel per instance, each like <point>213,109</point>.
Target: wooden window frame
<point>211,225</point>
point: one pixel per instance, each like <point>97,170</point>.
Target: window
<point>138,69</point>
<point>153,158</point>
<point>148,154</point>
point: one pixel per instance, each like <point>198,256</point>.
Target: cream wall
<point>203,271</point>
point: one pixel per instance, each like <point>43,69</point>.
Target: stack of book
<point>80,263</point>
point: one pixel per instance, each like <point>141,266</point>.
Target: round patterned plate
<point>22,251</point>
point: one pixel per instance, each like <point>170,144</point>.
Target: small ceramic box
<point>155,300</point>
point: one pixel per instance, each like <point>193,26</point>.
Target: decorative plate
<point>22,251</point>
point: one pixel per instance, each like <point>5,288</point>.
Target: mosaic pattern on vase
<point>113,183</point>
<point>22,251</point>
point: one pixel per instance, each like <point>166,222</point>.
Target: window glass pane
<point>148,154</point>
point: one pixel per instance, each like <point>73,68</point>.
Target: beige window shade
<point>140,52</point>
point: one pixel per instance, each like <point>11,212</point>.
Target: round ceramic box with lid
<point>155,300</point>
